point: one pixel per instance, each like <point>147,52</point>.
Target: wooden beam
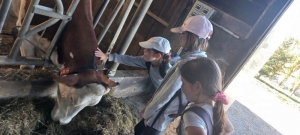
<point>176,17</point>
<point>154,16</point>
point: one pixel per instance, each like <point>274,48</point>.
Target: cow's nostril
<point>54,114</point>
<point>60,123</point>
<point>54,118</point>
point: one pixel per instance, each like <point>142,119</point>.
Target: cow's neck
<point>78,41</point>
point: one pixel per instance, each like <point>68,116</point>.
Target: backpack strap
<point>201,113</point>
<point>181,107</point>
<point>163,69</point>
<point>165,106</point>
<point>148,65</point>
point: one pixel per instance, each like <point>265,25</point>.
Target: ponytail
<point>219,118</point>
<point>195,43</point>
<point>218,112</point>
<point>207,71</point>
<point>165,57</point>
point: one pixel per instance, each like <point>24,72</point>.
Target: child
<point>202,86</point>
<point>168,99</point>
<point>155,59</point>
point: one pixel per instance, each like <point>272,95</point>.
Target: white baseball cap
<point>198,25</point>
<point>158,43</point>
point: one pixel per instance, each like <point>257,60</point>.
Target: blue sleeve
<point>135,61</point>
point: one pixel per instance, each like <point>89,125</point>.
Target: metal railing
<point>131,30</point>
<point>3,12</point>
<point>14,59</point>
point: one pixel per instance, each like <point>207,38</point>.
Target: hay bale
<point>15,74</point>
<point>19,117</point>
<point>32,116</point>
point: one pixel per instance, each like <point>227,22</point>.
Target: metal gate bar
<point>60,29</point>
<point>14,59</point>
<point>100,12</point>
<point>109,22</point>
<point>34,8</point>
<point>131,30</point>
<point>4,60</point>
<point>3,12</point>
<point>113,42</point>
<point>25,25</point>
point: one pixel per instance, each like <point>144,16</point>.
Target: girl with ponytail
<point>202,86</point>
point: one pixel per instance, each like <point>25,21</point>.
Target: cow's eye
<point>87,86</point>
<point>73,99</point>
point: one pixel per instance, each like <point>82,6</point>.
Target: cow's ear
<point>112,83</point>
<point>69,80</point>
<point>103,79</point>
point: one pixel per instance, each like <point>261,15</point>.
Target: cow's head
<point>76,91</point>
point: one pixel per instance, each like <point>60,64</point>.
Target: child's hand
<point>142,113</point>
<point>143,110</point>
<point>100,54</point>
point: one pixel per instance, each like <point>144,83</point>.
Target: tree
<point>276,62</point>
<point>294,63</point>
<point>295,66</point>
<point>295,85</point>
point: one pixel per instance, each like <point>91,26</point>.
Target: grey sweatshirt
<point>138,61</point>
<point>170,84</point>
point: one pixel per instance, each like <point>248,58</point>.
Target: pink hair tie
<point>167,54</point>
<point>220,96</point>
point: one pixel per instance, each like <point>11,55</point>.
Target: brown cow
<point>79,83</point>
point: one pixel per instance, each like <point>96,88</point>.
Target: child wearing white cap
<point>168,100</point>
<point>155,59</point>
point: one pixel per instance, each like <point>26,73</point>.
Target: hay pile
<point>15,74</point>
<point>32,116</point>
<point>18,117</point>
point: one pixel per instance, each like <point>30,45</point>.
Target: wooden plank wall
<point>228,51</point>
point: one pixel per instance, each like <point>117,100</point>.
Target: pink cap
<point>198,25</point>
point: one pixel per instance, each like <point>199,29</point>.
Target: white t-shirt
<point>190,119</point>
